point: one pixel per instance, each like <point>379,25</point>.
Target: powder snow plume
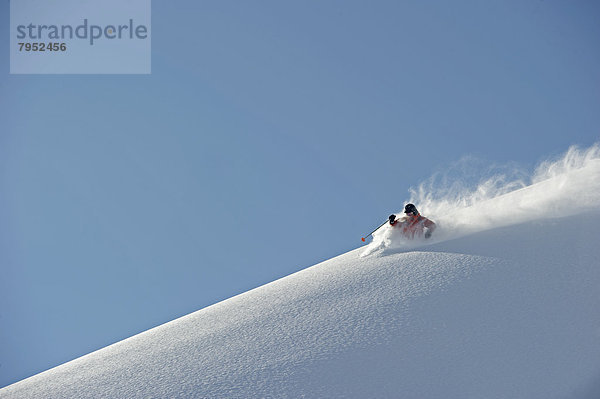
<point>463,202</point>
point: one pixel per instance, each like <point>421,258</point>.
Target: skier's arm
<point>431,226</point>
<point>392,219</point>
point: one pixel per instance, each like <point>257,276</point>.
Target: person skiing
<point>413,224</point>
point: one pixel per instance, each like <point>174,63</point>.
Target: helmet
<point>410,208</point>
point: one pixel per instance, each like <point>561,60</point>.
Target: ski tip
<point>363,239</point>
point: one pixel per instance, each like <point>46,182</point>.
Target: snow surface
<point>509,312</point>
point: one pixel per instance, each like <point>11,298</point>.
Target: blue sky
<point>269,136</point>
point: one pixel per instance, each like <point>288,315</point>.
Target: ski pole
<point>380,226</point>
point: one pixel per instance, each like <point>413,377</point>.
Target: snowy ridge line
<point>215,307</point>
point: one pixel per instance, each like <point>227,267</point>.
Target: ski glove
<point>392,219</point>
<point>428,234</point>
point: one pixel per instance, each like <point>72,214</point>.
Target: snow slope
<point>508,312</point>
<point>511,312</point>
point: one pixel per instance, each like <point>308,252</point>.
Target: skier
<point>413,224</point>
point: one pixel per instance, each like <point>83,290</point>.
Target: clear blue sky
<point>270,136</point>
